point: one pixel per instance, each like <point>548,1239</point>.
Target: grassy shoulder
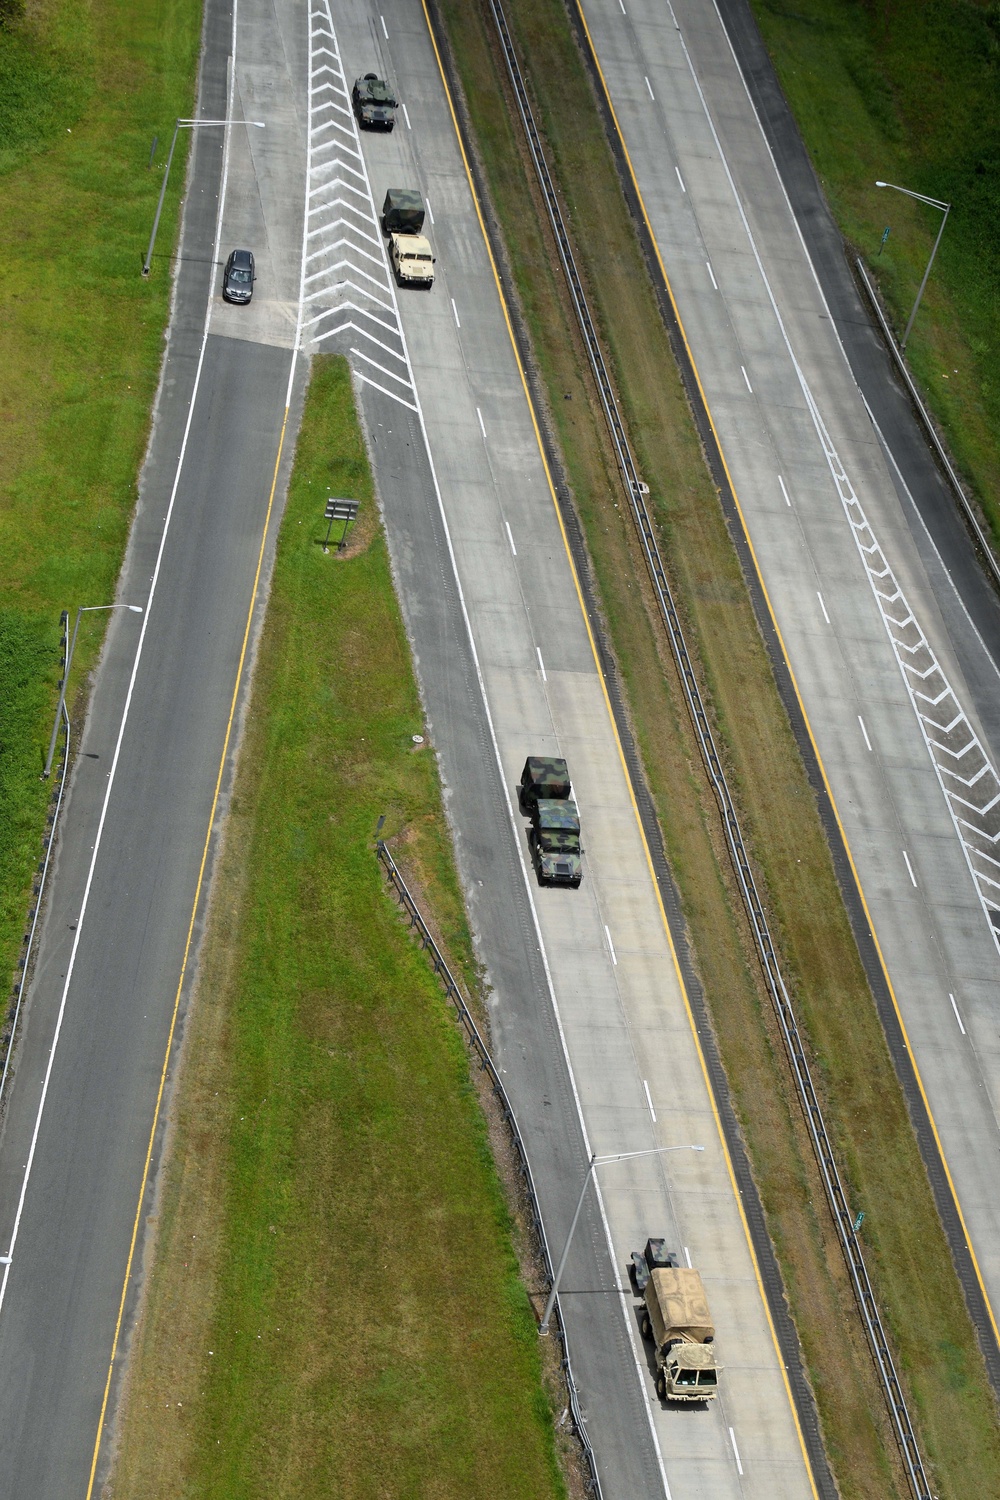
<point>917,1287</point>
<point>333,1306</point>
<point>909,92</point>
<point>83,89</point>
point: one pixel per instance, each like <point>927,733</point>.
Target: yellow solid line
<point>795,686</point>
<point>625,770</point>
<point>187,951</point>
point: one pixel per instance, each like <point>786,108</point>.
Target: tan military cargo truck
<point>676,1318</point>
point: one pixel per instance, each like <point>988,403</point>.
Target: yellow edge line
<point>187,951</point>
<point>795,685</point>
<point>624,764</point>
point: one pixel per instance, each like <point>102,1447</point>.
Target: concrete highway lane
<point>81,1097</point>
<point>895,666</point>
<point>589,1019</point>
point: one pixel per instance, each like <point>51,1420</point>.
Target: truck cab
<point>676,1319</point>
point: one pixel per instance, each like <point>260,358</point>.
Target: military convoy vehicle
<point>402,212</point>
<point>374,103</point>
<point>554,837</point>
<point>676,1318</point>
<point>411,254</point>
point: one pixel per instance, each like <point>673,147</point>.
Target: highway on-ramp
<point>886,624</point>
<point>138,830</point>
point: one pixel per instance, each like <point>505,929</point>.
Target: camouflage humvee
<point>556,855</point>
<point>544,777</point>
<point>373,101</point>
<point>551,816</point>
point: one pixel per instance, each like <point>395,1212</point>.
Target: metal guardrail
<point>481,1050</point>
<point>939,448</point>
<point>636,492</point>
<point>38,892</point>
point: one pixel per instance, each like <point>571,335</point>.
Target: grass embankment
<point>917,1288</point>
<point>909,92</point>
<point>334,1307</point>
<point>83,89</point>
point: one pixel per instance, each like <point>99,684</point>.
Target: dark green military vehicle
<point>374,103</point>
<point>554,838</point>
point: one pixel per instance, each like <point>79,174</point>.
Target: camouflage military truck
<point>554,841</point>
<point>554,837</point>
<point>402,212</point>
<point>676,1318</point>
<point>374,103</point>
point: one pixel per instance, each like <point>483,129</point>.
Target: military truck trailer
<point>676,1318</point>
<point>554,837</point>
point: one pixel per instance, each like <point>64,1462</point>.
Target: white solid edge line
<point>864,731</point>
<point>128,696</point>
<point>958,1018</point>
<point>909,869</point>
<point>652,1111</point>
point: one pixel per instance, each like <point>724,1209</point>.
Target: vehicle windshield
<point>687,1377</point>
<point>707,1377</point>
<point>239,274</point>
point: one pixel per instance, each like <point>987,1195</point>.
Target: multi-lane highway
<point>887,625</point>
<point>591,1023</point>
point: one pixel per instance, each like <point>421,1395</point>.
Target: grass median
<point>333,1306</point>
<point>83,90</point>
<point>915,1280</point>
<point>909,93</point>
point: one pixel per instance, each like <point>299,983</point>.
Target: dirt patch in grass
<point>83,89</point>
<point>916,1285</point>
<point>334,1304</point>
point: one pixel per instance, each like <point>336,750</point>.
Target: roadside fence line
<point>478,1045</point>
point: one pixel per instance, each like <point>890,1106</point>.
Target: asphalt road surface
<point>80,1101</point>
<point>889,628</point>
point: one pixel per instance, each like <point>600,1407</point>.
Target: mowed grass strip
<point>909,92</point>
<point>334,1307</point>
<point>918,1292</point>
<point>83,90</point>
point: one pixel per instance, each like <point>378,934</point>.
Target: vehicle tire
<point>645,1326</point>
<point>661,1385</point>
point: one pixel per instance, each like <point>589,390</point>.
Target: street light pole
<point>85,609</point>
<point>182,125</point>
<point>595,1161</point>
<point>934,203</point>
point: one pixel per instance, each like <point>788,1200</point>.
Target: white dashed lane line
<point>510,538</point>
<point>909,869</point>
<point>611,946</point>
<point>958,1018</point>
<point>650,87</point>
<point>864,731</point>
<point>649,1100</point>
<point>822,606</point>
<point>541,664</point>
<point>708,267</point>
<point>783,490</point>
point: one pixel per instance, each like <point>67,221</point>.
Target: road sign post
<point>339,510</point>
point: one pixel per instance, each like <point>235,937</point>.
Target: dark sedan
<point>238,278</point>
